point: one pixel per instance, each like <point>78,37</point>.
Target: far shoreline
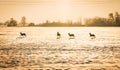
<point>60,26</point>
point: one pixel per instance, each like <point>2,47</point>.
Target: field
<point>41,49</point>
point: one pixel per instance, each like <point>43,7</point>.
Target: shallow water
<point>41,45</point>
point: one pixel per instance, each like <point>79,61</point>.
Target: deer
<point>58,35</point>
<point>22,34</point>
<point>92,35</point>
<point>72,36</point>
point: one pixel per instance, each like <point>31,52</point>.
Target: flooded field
<point>41,50</point>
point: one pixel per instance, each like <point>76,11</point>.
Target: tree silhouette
<point>111,16</point>
<point>1,23</point>
<point>12,22</point>
<point>23,21</point>
<point>31,24</point>
<point>117,18</point>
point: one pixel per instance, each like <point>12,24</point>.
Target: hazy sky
<point>56,10</point>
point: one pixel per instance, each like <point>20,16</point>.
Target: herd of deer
<point>71,36</point>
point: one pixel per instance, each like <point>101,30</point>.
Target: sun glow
<point>64,9</point>
<point>56,10</point>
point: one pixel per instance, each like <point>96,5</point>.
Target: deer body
<point>92,35</point>
<point>58,35</point>
<point>72,36</point>
<point>22,34</point>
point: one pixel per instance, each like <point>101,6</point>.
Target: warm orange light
<point>56,10</point>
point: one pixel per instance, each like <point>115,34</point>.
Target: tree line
<point>113,19</point>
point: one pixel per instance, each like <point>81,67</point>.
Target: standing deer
<point>22,34</point>
<point>92,35</point>
<point>58,35</point>
<point>72,36</point>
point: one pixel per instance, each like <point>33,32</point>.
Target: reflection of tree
<point>12,22</point>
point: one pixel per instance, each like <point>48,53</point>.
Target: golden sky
<point>56,10</point>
